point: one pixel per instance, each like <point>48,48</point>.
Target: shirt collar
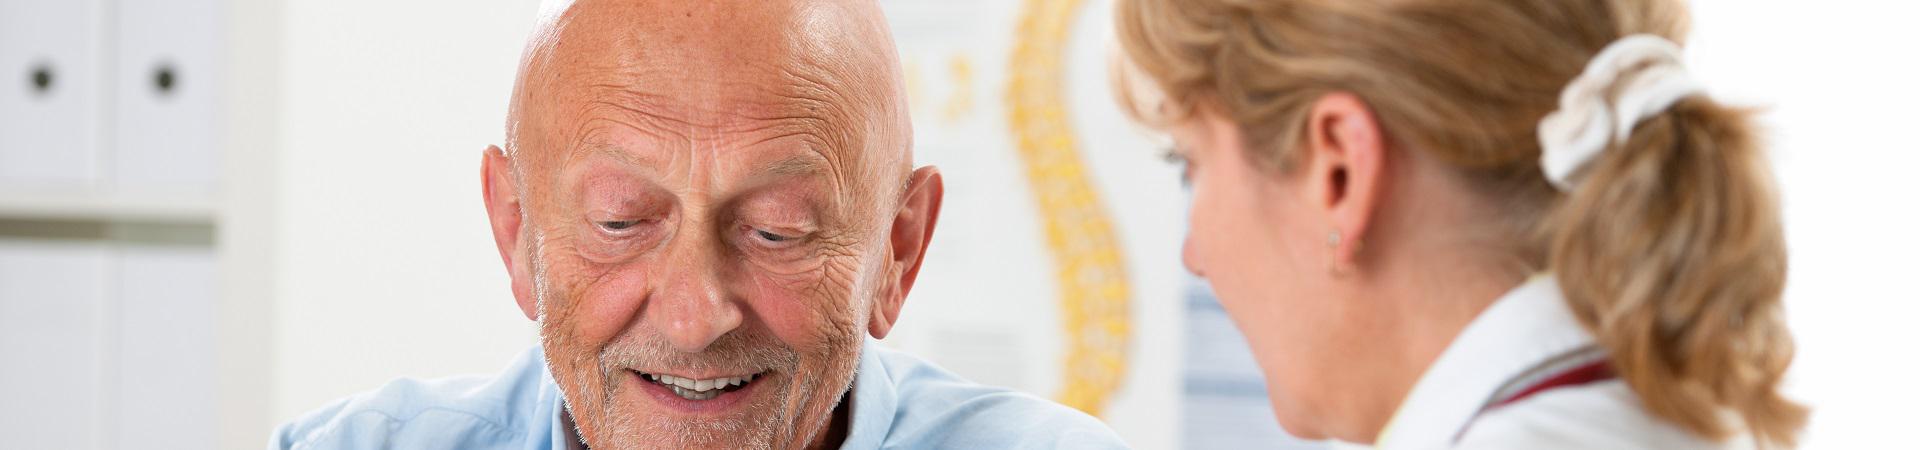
<point>1527,327</point>
<point>565,436</point>
<point>872,399</point>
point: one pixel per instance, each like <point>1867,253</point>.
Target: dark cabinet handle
<point>41,77</point>
<point>165,78</point>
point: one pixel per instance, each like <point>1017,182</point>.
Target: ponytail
<point>1671,253</point>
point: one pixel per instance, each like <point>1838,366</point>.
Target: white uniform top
<point>1527,336</point>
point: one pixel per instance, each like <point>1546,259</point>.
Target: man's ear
<point>907,240</point>
<point>498,189</point>
<point>1347,159</point>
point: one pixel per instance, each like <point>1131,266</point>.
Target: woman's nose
<point>1190,257</point>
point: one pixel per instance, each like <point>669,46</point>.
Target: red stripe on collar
<point>1588,373</point>
<point>1579,375</point>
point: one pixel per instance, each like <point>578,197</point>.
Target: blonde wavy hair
<point>1670,252</point>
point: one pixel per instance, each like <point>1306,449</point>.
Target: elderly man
<point>706,206</point>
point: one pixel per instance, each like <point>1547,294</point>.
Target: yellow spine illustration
<point>1089,267</point>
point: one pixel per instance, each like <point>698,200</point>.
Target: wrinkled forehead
<point>738,71</point>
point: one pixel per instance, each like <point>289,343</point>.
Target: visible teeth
<point>692,389</point>
<point>693,395</point>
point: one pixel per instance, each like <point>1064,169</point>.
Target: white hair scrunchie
<point>1633,79</point>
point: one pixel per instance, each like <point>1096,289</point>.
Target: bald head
<point>709,190</point>
<point>698,69</point>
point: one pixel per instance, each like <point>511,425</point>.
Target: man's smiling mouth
<point>707,389</point>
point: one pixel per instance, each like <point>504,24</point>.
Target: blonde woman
<point>1475,223</point>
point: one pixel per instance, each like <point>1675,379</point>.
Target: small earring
<point>1333,243</point>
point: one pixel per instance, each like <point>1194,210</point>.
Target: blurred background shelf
<point>108,208</point>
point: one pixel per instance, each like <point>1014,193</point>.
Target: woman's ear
<point>911,231</point>
<point>1346,163</point>
<point>502,197</point>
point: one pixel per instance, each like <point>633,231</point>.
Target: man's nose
<point>692,307</point>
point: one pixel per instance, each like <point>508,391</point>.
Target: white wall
<point>1837,79</point>
<point>385,266</point>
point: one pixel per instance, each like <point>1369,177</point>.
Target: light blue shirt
<point>899,401</point>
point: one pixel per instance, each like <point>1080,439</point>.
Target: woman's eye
<point>1173,156</point>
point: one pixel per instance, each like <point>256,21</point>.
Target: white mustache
<point>738,352</point>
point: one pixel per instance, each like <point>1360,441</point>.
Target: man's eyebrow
<point>617,153</point>
<point>803,164</point>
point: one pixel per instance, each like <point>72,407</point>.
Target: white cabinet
<point>164,361</point>
<point>107,346</point>
<point>49,93</point>
<point>54,338</point>
<point>111,141</point>
<point>167,83</point>
<point>111,96</point>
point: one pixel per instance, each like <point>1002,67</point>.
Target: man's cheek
<point>608,300</point>
<point>796,308</point>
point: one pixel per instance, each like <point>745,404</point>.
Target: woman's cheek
<point>1204,229</point>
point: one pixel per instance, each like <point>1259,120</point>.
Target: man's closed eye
<point>618,226</point>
